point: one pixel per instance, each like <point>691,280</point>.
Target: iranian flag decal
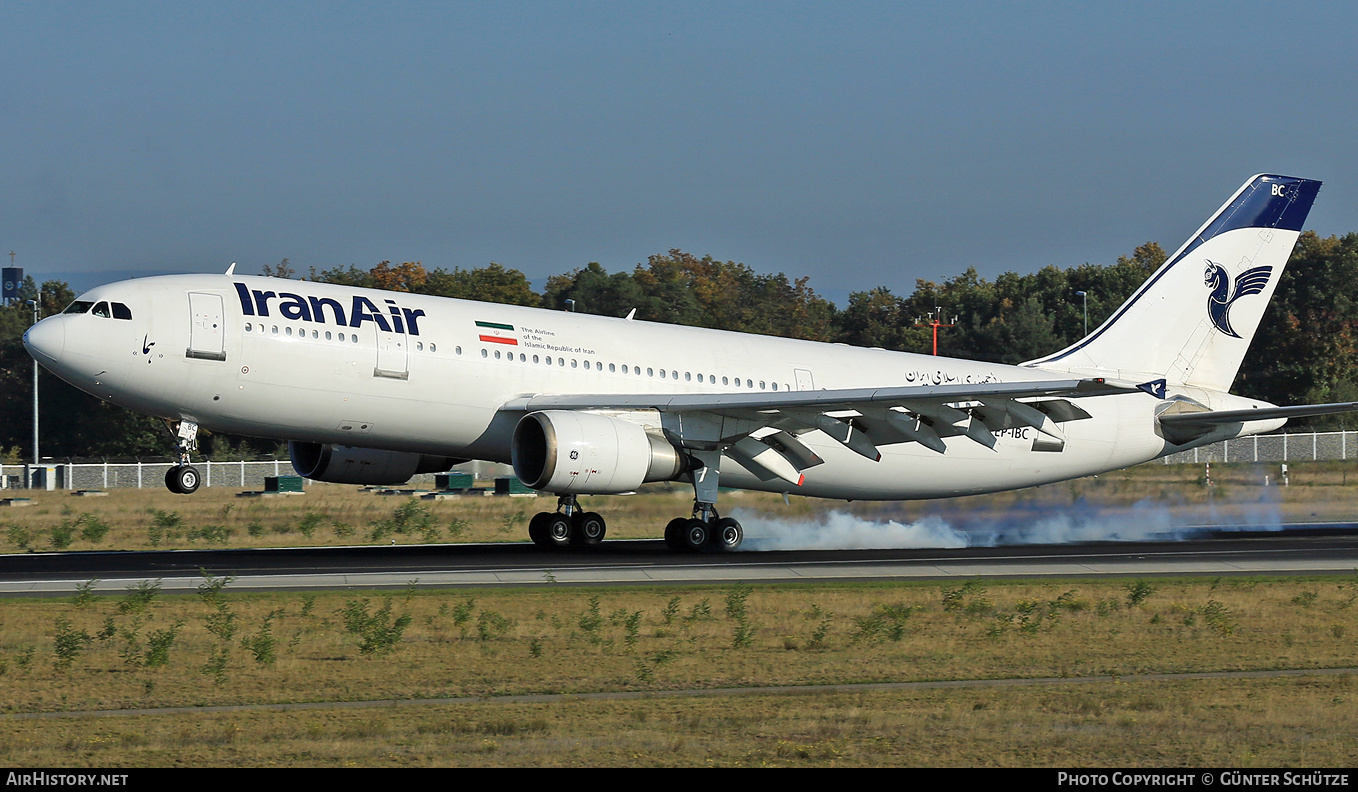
<point>497,333</point>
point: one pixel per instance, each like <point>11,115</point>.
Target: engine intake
<point>349,465</point>
<point>570,452</point>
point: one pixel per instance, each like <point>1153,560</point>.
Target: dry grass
<point>329,514</point>
<point>1235,724</point>
<point>574,640</point>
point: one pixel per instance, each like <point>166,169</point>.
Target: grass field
<point>143,649</point>
<point>679,647</point>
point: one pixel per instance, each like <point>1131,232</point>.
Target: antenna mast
<point>936,321</point>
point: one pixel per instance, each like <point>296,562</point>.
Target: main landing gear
<point>183,479</point>
<point>568,525</point>
<point>705,531</point>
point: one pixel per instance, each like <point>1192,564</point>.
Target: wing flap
<point>765,461</point>
<point>850,434</point>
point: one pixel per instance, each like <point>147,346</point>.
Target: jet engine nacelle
<point>348,465</point>
<point>570,452</point>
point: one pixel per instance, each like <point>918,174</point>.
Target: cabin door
<point>393,354</point>
<point>206,329</point>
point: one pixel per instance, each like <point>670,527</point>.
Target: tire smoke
<point>1078,522</point>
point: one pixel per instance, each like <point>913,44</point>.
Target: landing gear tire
<point>727,535</point>
<point>696,535</point>
<point>550,529</point>
<point>555,529</point>
<point>537,529</point>
<point>588,529</point>
<point>558,530</point>
<point>182,480</point>
<point>674,534</point>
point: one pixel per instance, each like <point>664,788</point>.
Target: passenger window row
<point>287,331</point>
<point>624,368</point>
<point>547,360</point>
<point>301,332</point>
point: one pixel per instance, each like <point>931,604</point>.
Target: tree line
<point>1304,351</point>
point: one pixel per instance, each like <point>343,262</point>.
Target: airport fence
<point>1290,447</point>
<point>151,473</point>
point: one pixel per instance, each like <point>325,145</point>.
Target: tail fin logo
<point>1221,297</point>
<point>1155,388</point>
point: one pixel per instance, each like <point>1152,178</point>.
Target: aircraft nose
<point>46,340</point>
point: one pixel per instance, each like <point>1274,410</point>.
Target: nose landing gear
<point>183,479</point>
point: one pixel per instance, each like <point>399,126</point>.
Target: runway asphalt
<point>1308,548</point>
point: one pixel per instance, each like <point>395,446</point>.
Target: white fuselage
<point>323,363</point>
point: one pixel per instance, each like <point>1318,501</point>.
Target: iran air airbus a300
<point>372,387</point>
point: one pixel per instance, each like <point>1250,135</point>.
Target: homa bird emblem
<point>1219,301</point>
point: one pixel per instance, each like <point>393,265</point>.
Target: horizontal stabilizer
<point>1218,417</point>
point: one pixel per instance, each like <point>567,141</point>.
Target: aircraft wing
<point>844,398</point>
<point>760,430</point>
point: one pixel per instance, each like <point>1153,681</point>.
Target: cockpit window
<point>103,308</point>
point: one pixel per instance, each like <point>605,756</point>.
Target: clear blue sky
<point>858,143</point>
